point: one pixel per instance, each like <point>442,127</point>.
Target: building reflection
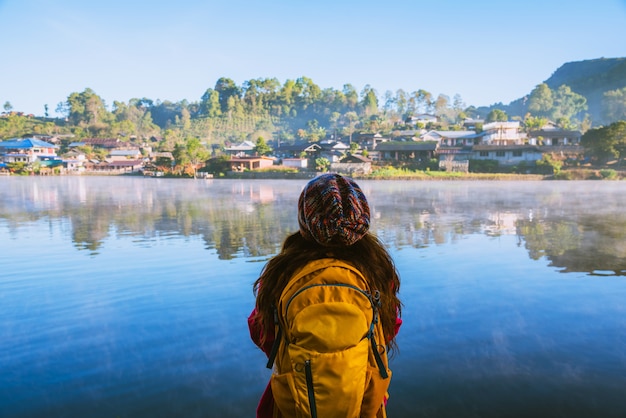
<point>580,231</point>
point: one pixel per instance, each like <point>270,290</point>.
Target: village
<point>504,144</point>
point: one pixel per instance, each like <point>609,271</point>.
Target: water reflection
<point>577,226</point>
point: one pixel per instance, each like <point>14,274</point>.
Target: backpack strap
<point>277,338</point>
<point>375,299</point>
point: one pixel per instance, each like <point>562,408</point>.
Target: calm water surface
<point>128,297</point>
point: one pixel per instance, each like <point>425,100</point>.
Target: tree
<point>210,104</point>
<point>261,147</point>
<point>369,101</point>
<point>7,106</point>
<point>88,110</point>
<point>424,101</point>
<point>614,105</point>
<point>351,119</point>
<point>540,101</point>
<point>567,104</point>
<point>401,102</point>
<point>227,90</point>
<point>189,155</point>
<point>606,142</point>
<point>534,123</point>
<point>496,115</point>
<point>322,164</point>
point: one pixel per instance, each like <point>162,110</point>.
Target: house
<point>26,150</point>
<point>421,118</point>
<point>297,150</point>
<point>295,162</point>
<point>105,143</point>
<point>250,163</point>
<point>125,154</point>
<point>551,135</point>
<point>369,141</point>
<point>454,158</point>
<point>453,138</point>
<point>126,166</point>
<point>507,155</point>
<point>472,124</point>
<point>502,133</point>
<point>242,149</point>
<point>353,164</point>
<point>407,151</point>
<point>163,159</point>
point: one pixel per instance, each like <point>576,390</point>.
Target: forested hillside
<point>602,82</point>
<point>579,95</point>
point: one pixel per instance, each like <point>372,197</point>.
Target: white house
<point>452,138</point>
<point>507,155</point>
<point>295,162</point>
<point>502,133</point>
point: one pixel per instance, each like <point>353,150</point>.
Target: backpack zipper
<point>308,374</point>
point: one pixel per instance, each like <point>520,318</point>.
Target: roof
<point>125,152</point>
<point>241,159</point>
<point>355,158</point>
<point>505,148</point>
<point>556,133</point>
<point>26,143</point>
<point>454,134</point>
<point>244,146</point>
<point>407,146</point>
<point>299,147</point>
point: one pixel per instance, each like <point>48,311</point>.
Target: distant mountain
<point>589,78</point>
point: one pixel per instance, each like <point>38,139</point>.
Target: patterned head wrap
<point>333,211</point>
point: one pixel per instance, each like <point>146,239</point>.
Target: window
<point>484,153</point>
<point>517,153</point>
<point>499,153</point>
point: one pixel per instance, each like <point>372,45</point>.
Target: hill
<point>589,78</point>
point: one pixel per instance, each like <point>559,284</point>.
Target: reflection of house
<point>406,151</point>
<point>507,155</point>
<point>502,133</point>
<point>250,163</point>
<point>26,151</point>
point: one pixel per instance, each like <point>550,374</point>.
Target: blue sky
<point>485,51</point>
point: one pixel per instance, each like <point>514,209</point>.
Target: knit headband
<point>333,211</point>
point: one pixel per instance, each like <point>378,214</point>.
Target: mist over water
<point>128,297</point>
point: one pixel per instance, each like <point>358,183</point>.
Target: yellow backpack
<point>330,354</point>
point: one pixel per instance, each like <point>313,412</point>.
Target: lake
<point>128,296</point>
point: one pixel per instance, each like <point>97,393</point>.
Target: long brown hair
<point>368,255</point>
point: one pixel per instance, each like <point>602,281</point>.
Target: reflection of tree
<point>551,238</point>
<point>602,246</point>
<point>575,231</point>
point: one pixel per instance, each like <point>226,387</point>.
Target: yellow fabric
<point>325,324</point>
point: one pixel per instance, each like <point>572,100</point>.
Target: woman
<point>334,219</point>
